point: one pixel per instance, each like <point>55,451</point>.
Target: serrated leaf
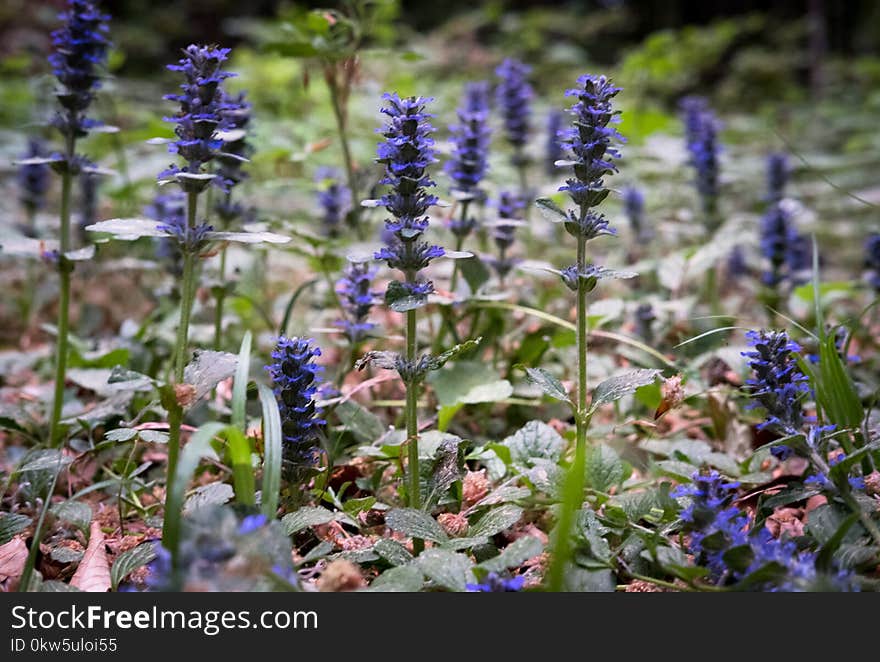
<point>515,554</point>
<point>305,517</point>
<point>401,299</point>
<point>403,579</point>
<point>469,382</point>
<point>12,524</point>
<point>415,524</point>
<point>603,468</point>
<point>495,521</point>
<point>74,512</point>
<point>153,436</point>
<point>392,551</point>
<point>248,237</point>
<point>534,440</point>
<point>121,434</point>
<point>128,229</point>
<point>208,495</point>
<point>207,369</point>
<point>129,561</point>
<point>617,387</point>
<point>551,211</point>
<point>45,460</point>
<point>548,383</point>
<point>448,569</point>
<point>362,423</point>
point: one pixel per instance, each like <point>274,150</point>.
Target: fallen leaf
<point>13,556</point>
<point>93,573</point>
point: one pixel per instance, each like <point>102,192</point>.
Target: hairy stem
<point>412,425</point>
<point>574,484</point>
<point>64,269</point>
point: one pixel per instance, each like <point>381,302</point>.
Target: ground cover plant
<point>327,303</point>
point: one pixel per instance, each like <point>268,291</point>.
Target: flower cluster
<point>407,152</point>
<point>716,526</point>
<point>514,99</point>
<point>788,253</point>
<point>510,214</point>
<point>701,135</point>
<point>777,176</point>
<point>553,149</point>
<point>470,147</point>
<point>356,299</point>
<point>33,178</point>
<point>590,144</point>
<point>778,384</point>
<point>295,382</point>
<point>495,583</point>
<point>872,261</point>
<point>334,199</point>
<point>235,153</point>
<point>80,51</point>
<point>204,112</point>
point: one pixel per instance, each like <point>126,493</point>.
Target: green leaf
<point>364,425</point>
<point>400,299</point>
<point>415,524</point>
<point>582,580</point>
<point>207,369</point>
<point>128,229</point>
<point>825,557</point>
<point>55,586</point>
<point>593,532</point>
<point>44,460</point>
<point>514,555</point>
<point>617,387</point>
<point>305,517</point>
<point>239,386</point>
<point>475,272</point>
<point>448,569</point>
<point>153,436</point>
<point>469,382</point>
<point>121,434</point>
<point>534,440</point>
<point>12,524</point>
<point>403,579</point>
<point>272,447</point>
<point>549,384</point>
<point>73,512</point>
<point>129,561</point>
<point>495,521</point>
<point>551,211</point>
<point>212,494</point>
<point>242,471</point>
<point>392,551</point>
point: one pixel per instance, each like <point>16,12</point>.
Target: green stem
<point>64,269</point>
<point>574,484</point>
<point>175,410</point>
<point>25,579</point>
<point>412,426</point>
<point>221,298</point>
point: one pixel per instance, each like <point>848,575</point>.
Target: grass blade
<point>242,471</point>
<point>272,451</point>
<point>198,447</point>
<point>239,387</point>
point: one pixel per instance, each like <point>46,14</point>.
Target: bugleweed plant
<point>513,99</point>
<point>590,144</point>
<point>80,54</point>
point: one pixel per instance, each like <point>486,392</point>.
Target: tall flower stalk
<point>407,152</point>
<point>33,183</point>
<point>80,52</point>
<point>469,162</point>
<point>590,143</point>
<point>203,115</point>
<point>235,152</point>
<point>510,213</point>
<point>514,100</point>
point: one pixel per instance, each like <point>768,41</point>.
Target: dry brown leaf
<point>13,556</point>
<point>93,573</point>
